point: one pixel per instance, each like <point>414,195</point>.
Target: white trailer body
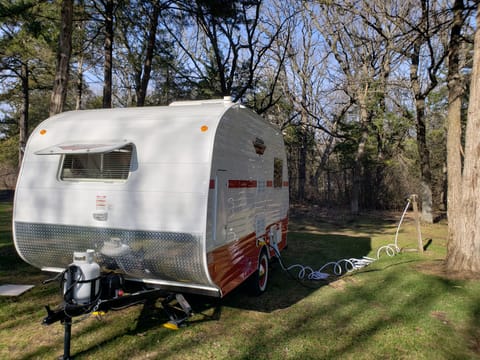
<point>180,197</point>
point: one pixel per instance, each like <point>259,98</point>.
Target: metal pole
<point>67,337</point>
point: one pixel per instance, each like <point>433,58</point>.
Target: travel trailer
<point>188,198</point>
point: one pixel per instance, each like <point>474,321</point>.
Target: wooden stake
<point>417,222</point>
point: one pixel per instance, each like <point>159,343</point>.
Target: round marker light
<point>43,132</point>
<point>204,128</point>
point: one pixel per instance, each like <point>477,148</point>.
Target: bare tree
<point>226,44</point>
<point>363,60</point>
<point>424,26</point>
<point>463,195</point>
<point>147,65</point>
<point>138,26</point>
<point>303,84</point>
<point>108,13</point>
<point>23,122</point>
<point>454,121</point>
<point>59,93</point>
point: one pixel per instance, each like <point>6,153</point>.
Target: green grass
<point>12,269</point>
<point>400,307</point>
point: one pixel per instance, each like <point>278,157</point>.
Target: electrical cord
<point>341,266</point>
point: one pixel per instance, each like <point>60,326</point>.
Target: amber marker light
<point>204,128</point>
<point>43,132</point>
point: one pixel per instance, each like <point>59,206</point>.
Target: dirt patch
<point>441,316</point>
<point>342,283</point>
<point>475,341</point>
<point>439,268</point>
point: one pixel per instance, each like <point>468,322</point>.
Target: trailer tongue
<point>86,291</point>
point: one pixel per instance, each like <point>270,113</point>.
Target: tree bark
<point>357,175</point>
<point>464,247</point>
<point>59,93</point>
<point>78,102</point>
<point>23,123</point>
<point>425,170</point>
<point>454,130</point>
<point>423,152</point>
<point>80,77</point>
<point>108,51</point>
<point>302,165</point>
<point>147,65</point>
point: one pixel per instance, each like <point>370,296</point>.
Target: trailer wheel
<point>259,279</point>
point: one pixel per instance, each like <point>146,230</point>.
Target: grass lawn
<point>401,307</point>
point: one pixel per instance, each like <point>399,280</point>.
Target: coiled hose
<point>342,266</point>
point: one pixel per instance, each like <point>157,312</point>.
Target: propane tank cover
<point>86,276</point>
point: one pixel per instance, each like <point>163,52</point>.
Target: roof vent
<point>227,100</point>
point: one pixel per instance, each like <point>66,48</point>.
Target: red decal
<point>238,184</point>
<point>269,183</point>
<point>101,203</point>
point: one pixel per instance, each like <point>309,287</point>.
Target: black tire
<point>259,279</point>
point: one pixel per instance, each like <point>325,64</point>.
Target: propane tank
<point>82,278</point>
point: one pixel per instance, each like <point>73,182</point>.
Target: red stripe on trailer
<point>231,264</point>
<point>239,184</point>
<point>242,184</point>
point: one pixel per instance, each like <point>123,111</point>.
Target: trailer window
<point>277,172</point>
<point>114,165</point>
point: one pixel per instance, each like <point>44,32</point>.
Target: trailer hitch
<point>175,307</point>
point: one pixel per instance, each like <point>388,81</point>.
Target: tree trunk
<point>147,65</point>
<point>328,148</point>
<point>454,128</point>
<point>464,246</point>
<point>302,165</point>
<point>79,84</point>
<point>78,102</point>
<point>108,51</point>
<point>23,123</point>
<point>425,171</point>
<point>359,156</point>
<point>59,93</point>
<point>329,189</point>
<point>423,152</point>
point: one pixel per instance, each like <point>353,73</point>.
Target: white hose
<point>344,265</point>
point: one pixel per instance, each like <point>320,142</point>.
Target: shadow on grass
<point>304,249</point>
<point>396,304</point>
<point>473,332</point>
<point>283,291</point>
<point>331,219</point>
<point>393,313</point>
<point>353,320</point>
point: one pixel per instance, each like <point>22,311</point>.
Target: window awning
<point>83,148</point>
